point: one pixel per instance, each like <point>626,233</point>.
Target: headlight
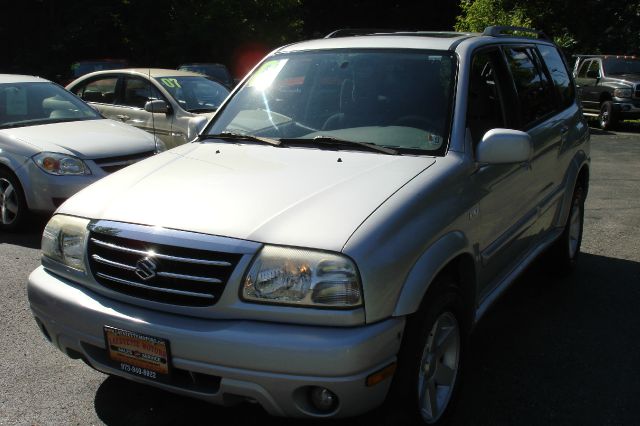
<point>63,240</point>
<point>302,277</point>
<point>623,93</point>
<point>60,164</point>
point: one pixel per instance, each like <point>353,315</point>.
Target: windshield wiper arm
<point>242,137</point>
<point>329,140</point>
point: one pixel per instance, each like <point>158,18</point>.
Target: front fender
<point>426,268</point>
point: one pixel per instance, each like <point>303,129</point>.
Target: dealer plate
<point>138,354</point>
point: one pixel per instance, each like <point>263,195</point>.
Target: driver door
<point>136,92</point>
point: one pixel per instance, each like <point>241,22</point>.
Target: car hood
<point>289,196</point>
<point>88,139</point>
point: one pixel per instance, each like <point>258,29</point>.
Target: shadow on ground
<point>28,237</point>
<point>551,351</point>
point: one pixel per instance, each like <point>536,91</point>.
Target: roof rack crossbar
<point>500,30</point>
<point>346,32</point>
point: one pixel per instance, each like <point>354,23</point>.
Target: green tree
<point>479,14</point>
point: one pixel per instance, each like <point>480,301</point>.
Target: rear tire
<point>13,206</point>
<point>564,252</point>
<point>430,361</point>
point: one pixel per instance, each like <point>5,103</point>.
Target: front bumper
<point>627,109</point>
<point>271,363</point>
<point>45,192</point>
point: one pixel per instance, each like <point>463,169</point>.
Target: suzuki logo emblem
<point>146,268</point>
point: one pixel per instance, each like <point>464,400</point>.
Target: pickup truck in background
<point>608,87</point>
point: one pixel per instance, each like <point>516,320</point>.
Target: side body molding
<point>430,263</point>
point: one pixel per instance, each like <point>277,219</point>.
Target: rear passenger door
<point>540,118</point>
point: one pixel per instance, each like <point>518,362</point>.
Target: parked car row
<point>335,232</point>
<point>52,144</point>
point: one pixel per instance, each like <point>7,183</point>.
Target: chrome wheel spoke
<point>445,337</point>
<point>11,206</point>
<point>439,367</point>
<point>429,404</point>
<point>5,215</point>
<point>8,192</point>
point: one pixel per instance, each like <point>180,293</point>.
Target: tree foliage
<point>479,14</point>
<point>585,26</point>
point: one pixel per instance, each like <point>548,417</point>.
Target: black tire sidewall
<point>564,261</point>
<point>403,396</point>
<point>608,107</point>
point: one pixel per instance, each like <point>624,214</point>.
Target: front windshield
<point>619,66</point>
<point>195,94</point>
<point>398,99</point>
<point>29,104</point>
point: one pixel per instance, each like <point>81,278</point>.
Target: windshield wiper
<point>329,140</point>
<point>242,137</point>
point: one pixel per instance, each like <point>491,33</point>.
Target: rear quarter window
<point>559,74</point>
<point>534,89</point>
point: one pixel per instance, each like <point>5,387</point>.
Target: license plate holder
<point>138,354</point>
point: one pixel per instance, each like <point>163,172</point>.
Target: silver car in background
<point>174,105</point>
<point>346,218</point>
<point>52,144</point>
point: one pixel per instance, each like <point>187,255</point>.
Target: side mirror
<point>504,146</point>
<point>593,74</point>
<point>157,106</point>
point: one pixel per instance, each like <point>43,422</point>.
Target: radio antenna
<point>153,114</point>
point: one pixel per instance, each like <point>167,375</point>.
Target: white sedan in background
<point>52,144</point>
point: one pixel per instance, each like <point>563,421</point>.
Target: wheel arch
<point>578,173</point>
<point>450,255</point>
<point>5,167</point>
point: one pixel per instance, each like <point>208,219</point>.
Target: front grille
<point>158,272</point>
<point>113,164</point>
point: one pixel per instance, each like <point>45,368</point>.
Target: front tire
<point>13,206</point>
<point>607,118</point>
<point>430,361</point>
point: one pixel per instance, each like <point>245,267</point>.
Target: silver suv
<point>343,221</point>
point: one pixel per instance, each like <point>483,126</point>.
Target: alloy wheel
<point>575,227</point>
<point>439,367</point>
<point>8,202</point>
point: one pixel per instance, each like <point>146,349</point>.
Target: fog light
<point>323,399</point>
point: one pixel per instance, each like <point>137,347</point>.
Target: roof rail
<point>501,31</point>
<point>346,32</point>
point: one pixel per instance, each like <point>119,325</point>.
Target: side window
<point>559,74</point>
<point>485,108</point>
<point>583,69</point>
<point>594,69</point>
<point>102,90</point>
<point>535,91</point>
<point>138,92</point>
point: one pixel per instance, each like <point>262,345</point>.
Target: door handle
<point>123,117</point>
<point>563,134</point>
